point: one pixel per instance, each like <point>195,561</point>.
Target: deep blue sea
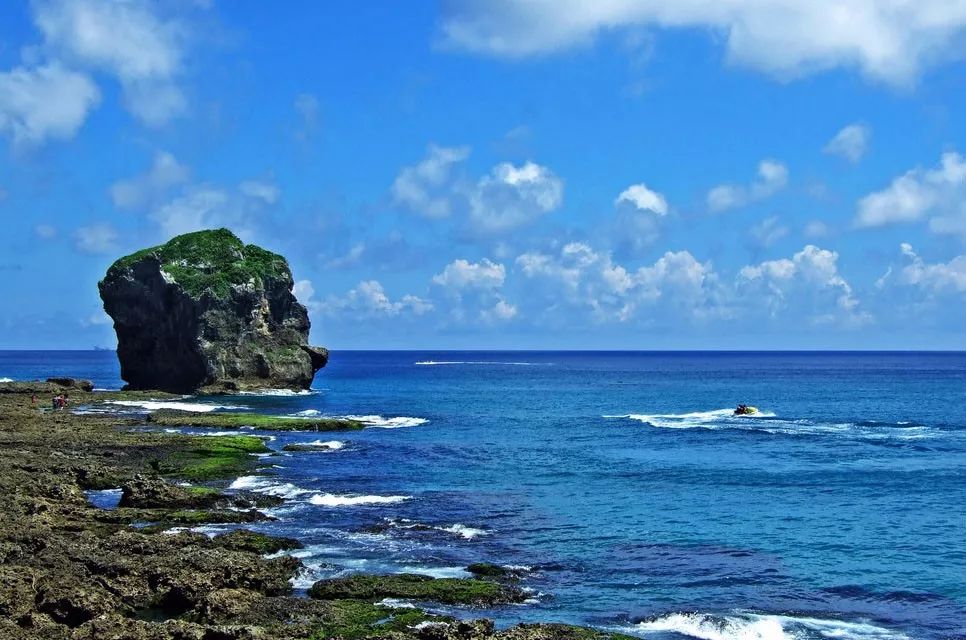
<point>624,485</point>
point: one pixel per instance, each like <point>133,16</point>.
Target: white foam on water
<point>277,392</point>
<point>333,500</point>
<point>396,603</point>
<point>761,627</point>
<point>767,422</point>
<point>156,405</point>
<point>331,445</point>
<point>261,484</point>
<point>6,379</point>
<point>463,531</point>
<point>308,413</point>
<point>437,572</point>
<point>430,624</point>
<point>388,423</point>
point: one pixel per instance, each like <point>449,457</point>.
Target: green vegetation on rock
<point>357,619</point>
<point>416,587</point>
<point>244,540</point>
<point>210,261</point>
<point>172,418</point>
<point>208,458</point>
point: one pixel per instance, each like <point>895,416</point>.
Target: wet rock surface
<point>206,312</point>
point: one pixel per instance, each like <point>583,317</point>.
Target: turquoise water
<point>629,491</point>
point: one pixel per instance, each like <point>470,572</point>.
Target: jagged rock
<point>148,492</point>
<point>205,312</point>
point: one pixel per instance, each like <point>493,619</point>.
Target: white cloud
<point>506,198</point>
<point>807,284</point>
<point>887,40</point>
<point>948,277</point>
<point>462,274</point>
<point>502,311</point>
<point>643,199</point>
<point>45,231</point>
<point>772,178</point>
<point>769,231</point>
<point>47,102</point>
<point>938,193</point>
<point>426,188</point>
<point>126,39</point>
<point>138,191</point>
<point>369,300</point>
<point>850,143</point>
<point>510,197</point>
<point>589,280</point>
<point>96,238</point>
<point>208,207</point>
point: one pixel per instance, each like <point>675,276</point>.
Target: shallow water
<point>639,502</point>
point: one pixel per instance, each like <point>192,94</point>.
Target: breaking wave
<point>761,627</point>
<point>156,405</point>
<point>767,422</point>
<point>333,500</point>
<point>6,379</point>
<point>262,484</point>
<point>388,423</point>
<point>460,530</point>
<point>278,392</point>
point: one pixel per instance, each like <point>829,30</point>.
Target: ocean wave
<point>388,423</point>
<point>6,379</point>
<point>395,603</point>
<point>333,500</point>
<point>331,445</point>
<point>277,392</point>
<point>262,484</point>
<point>436,572</point>
<point>437,363</point>
<point>761,627</point>
<point>461,530</point>
<point>768,422</point>
<point>156,405</point>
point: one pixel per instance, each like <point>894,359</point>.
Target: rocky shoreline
<point>71,570</point>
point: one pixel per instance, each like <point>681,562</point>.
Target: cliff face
<point>204,312</point>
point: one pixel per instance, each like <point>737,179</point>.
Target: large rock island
<point>206,312</point>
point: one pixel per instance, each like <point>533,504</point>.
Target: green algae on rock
<point>227,420</point>
<point>371,588</point>
<point>206,312</point>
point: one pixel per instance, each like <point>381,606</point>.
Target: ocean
<point>625,492</point>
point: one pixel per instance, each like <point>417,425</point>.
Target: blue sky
<point>628,175</point>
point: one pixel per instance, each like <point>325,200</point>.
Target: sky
<point>477,174</point>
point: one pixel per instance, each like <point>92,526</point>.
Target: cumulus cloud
<point>591,281</point>
<point>165,172</point>
<point>426,188</point>
<point>473,290</point>
<point>126,39</point>
<point>808,283</point>
<point>368,300</point>
<point>772,178</point>
<point>510,196</point>
<point>462,274</point>
<point>889,41</point>
<point>46,102</point>
<point>506,198</point>
<point>938,278</point>
<point>851,142</point>
<point>938,193</point>
<point>96,238</point>
<point>643,199</point>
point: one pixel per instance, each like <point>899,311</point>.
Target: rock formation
<point>205,312</point>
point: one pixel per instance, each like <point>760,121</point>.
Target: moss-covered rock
<point>208,458</point>
<point>244,540</point>
<point>372,588</point>
<point>205,311</point>
<point>228,420</point>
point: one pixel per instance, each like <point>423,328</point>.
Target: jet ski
<point>745,410</point>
